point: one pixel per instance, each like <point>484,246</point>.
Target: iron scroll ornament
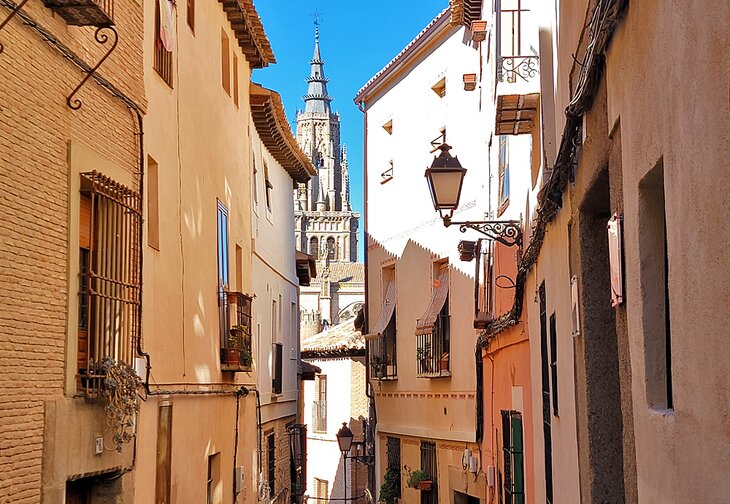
<point>511,67</point>
<point>7,19</point>
<point>101,38</point>
<point>508,232</point>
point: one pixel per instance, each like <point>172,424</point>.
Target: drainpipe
<point>372,424</point>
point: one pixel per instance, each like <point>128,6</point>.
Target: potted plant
<point>231,355</point>
<point>246,358</point>
<point>378,366</point>
<point>423,354</point>
<point>419,480</point>
<point>389,487</point>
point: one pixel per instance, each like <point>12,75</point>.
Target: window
<point>163,56</point>
<point>321,490</point>
<point>109,277</point>
<point>393,445</point>
<point>153,204</point>
<point>428,465</point>
<point>191,14</point>
<point>382,338</point>
<point>440,88</point>
<point>331,249</point>
<point>503,199</point>
<point>225,63</point>
<point>546,419</point>
<point>277,372</point>
<point>269,187</point>
<point>433,332</point>
<point>271,463</point>
<point>513,458</point>
<point>655,268</point>
<point>255,184</point>
<point>214,486</point>
<point>223,273</point>
<point>163,473</point>
<point>554,362</point>
<point>235,80</point>
<point>298,458</point>
<point>319,408</point>
<point>314,247</point>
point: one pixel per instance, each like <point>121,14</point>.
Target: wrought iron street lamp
<point>445,179</point>
<point>344,439</point>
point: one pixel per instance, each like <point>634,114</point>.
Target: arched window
<point>331,251</point>
<point>314,247</point>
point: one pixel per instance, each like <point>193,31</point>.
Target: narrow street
<point>364,252</point>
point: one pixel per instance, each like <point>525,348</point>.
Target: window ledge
<point>435,374</point>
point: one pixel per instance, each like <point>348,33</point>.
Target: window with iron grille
<point>428,465</point>
<point>513,458</point>
<point>319,407</point>
<point>109,277</point>
<point>162,57</point>
<point>394,461</point>
<point>271,463</point>
<point>298,459</point>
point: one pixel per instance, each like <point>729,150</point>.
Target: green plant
<point>389,487</point>
<point>120,390</point>
<point>246,358</point>
<point>236,335</point>
<point>416,477</point>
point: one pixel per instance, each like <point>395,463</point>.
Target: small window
<point>319,408</point>
<point>331,249</point>
<point>153,204</point>
<point>269,187</point>
<point>271,463</point>
<point>225,63</point>
<point>162,57</point>
<point>235,80</point>
<point>314,247</point>
<point>429,466</point>
<point>191,15</point>
<point>277,374</point>
<point>214,486</point>
<point>394,463</point>
<point>503,174</point>
<point>388,127</point>
<point>321,490</point>
<point>440,88</point>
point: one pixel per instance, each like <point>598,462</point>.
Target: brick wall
<point>35,128</point>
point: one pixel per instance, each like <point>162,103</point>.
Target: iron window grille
<point>110,279</point>
<point>382,353</point>
<point>298,460</point>
<point>162,57</point>
<point>235,322</point>
<point>513,62</point>
<point>271,463</point>
<point>433,349</point>
<point>513,458</point>
<point>394,463</point>
<point>319,406</point>
<point>428,466</point>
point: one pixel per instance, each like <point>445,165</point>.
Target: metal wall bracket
<point>101,38</point>
<point>11,16</point>
<point>508,232</point>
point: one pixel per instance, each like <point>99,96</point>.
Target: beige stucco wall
<point>201,142</point>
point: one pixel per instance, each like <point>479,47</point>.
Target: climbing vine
<point>120,390</point>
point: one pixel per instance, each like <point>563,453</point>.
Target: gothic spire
<point>317,99</point>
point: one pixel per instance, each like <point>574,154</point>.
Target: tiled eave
<point>463,12</point>
<point>246,24</point>
<point>270,121</point>
<point>517,114</point>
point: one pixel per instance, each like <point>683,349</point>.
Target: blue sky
<point>357,38</point>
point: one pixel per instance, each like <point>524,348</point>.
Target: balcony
<point>235,322</point>
<point>298,467</point>
<point>433,359</point>
<point>84,12</point>
<point>518,69</point>
<point>319,416</point>
<point>382,354</point>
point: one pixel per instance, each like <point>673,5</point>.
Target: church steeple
<point>317,99</point>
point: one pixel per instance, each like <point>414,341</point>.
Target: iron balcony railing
<point>514,62</point>
<point>319,416</point>
<point>235,331</point>
<point>298,466</point>
<point>433,358</point>
<point>382,354</point>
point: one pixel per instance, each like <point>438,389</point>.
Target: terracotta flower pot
<point>425,485</point>
<point>231,356</point>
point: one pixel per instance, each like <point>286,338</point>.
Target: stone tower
<point>325,225</point>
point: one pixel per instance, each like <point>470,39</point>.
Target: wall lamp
<point>445,178</point>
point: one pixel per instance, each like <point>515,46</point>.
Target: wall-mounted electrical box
<point>98,445</point>
<point>240,476</point>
